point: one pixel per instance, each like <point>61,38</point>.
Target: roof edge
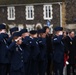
<point>31,4</point>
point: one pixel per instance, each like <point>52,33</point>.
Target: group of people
<point>64,52</point>
<point>23,52</point>
<point>36,52</point>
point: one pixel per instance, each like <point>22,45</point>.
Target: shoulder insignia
<point>55,38</point>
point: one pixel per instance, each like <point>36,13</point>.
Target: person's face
<point>43,35</point>
<point>47,30</point>
<point>72,34</point>
<point>19,42</point>
<point>64,34</point>
<point>59,33</point>
<point>34,35</point>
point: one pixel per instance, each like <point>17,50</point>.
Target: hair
<point>69,32</point>
<point>45,27</point>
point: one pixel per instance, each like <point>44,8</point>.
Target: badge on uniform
<point>71,43</point>
<point>16,48</point>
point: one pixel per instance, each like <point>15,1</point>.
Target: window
<point>47,12</point>
<point>11,13</point>
<point>29,12</point>
<point>30,27</point>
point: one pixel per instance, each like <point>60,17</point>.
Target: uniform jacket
<point>3,49</point>
<point>49,45</point>
<point>43,49</point>
<point>16,56</point>
<point>26,46</point>
<point>34,48</point>
<point>58,46</point>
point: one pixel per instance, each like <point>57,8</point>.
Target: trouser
<point>58,68</point>
<point>33,67</point>
<point>4,69</point>
<point>17,72</point>
<point>70,69</point>
<point>26,68</point>
<point>42,67</point>
<point>49,67</point>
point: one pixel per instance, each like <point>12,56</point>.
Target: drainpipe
<point>60,14</point>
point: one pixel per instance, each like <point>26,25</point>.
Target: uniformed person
<point>12,30</point>
<point>49,49</point>
<point>34,53</point>
<point>58,51</point>
<point>42,64</point>
<point>26,46</point>
<point>16,55</point>
<point>69,45</point>
<point>3,50</point>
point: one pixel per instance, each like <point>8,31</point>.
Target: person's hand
<point>3,31</point>
<point>60,33</point>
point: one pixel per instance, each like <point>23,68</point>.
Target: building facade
<point>32,14</point>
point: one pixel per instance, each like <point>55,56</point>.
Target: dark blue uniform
<point>58,54</point>
<point>43,56</point>
<point>17,59</point>
<point>3,54</point>
<point>25,45</point>
<point>34,56</point>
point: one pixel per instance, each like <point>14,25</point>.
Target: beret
<point>41,31</point>
<point>13,29</point>
<point>16,34</point>
<point>23,31</point>
<point>33,32</point>
<point>58,28</point>
<point>2,26</point>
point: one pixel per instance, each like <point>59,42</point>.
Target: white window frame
<point>29,14</point>
<point>46,10</point>
<point>30,27</point>
<point>11,13</point>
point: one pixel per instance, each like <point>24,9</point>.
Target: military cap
<point>58,28</point>
<point>23,31</point>
<point>2,26</point>
<point>33,32</point>
<point>41,31</point>
<point>16,34</point>
<point>13,29</point>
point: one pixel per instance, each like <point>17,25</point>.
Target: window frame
<point>10,14</point>
<point>46,7</point>
<point>28,14</point>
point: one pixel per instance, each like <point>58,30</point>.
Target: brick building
<point>32,13</point>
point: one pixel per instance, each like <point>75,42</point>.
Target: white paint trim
<point>60,14</point>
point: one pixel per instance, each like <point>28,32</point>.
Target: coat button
<point>21,53</point>
<point>21,56</point>
<point>21,60</point>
